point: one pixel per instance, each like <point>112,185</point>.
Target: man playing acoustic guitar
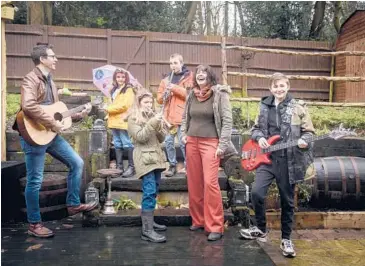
<point>282,115</point>
<point>39,89</point>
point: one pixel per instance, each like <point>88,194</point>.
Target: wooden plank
<point>308,103</point>
<point>309,48</point>
<point>109,45</point>
<point>348,220</point>
<point>160,62</point>
<point>78,35</point>
<point>67,57</point>
<point>148,62</point>
<point>300,77</point>
<point>320,220</point>
<point>324,70</point>
<point>23,32</point>
<point>296,89</point>
<point>138,47</point>
<point>185,41</point>
<point>45,34</point>
<point>286,52</point>
<point>57,79</point>
<point>290,44</point>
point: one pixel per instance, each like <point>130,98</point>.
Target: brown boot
<point>38,230</point>
<point>72,210</point>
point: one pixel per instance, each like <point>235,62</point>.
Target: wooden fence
<point>146,55</point>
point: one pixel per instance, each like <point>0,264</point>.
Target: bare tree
<point>208,17</point>
<point>240,13</point>
<point>317,22</point>
<point>39,12</point>
<point>338,14</point>
<point>235,21</point>
<point>201,20</point>
<point>226,18</point>
<point>216,17</point>
<point>190,18</point>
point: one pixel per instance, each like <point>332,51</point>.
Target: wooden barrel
<point>52,197</point>
<point>340,179</point>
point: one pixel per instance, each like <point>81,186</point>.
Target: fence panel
<point>146,55</point>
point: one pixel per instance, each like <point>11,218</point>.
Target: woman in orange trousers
<point>206,129</point>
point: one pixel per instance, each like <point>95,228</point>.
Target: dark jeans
<point>150,187</point>
<point>265,175</point>
<point>60,149</point>
<point>170,147</point>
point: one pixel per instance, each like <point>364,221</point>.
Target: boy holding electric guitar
<point>280,115</point>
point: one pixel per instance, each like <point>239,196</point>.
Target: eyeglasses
<point>52,55</point>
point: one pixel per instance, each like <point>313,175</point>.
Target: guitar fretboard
<point>292,143</point>
<point>73,111</point>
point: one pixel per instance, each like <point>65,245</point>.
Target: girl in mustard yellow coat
<point>122,95</point>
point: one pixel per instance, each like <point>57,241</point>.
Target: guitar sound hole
<point>58,117</point>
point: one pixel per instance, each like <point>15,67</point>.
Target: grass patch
<point>12,105</point>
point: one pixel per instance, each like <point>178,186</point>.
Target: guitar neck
<point>73,111</point>
<point>293,143</point>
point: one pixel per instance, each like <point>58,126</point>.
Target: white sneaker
<point>253,233</point>
<point>287,247</point>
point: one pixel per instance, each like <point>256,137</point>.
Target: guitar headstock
<point>341,132</point>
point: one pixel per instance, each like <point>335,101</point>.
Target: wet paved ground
<point>75,245</point>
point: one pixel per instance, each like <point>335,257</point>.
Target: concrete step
<point>175,183</point>
<point>169,217</point>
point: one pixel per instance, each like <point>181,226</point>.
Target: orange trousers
<point>205,199</point>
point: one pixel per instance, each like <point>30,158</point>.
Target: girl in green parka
<point>144,127</point>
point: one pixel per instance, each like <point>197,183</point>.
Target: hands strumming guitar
<point>256,153</point>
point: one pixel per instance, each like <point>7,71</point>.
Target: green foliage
<point>304,193</point>
<point>326,118</point>
<point>12,105</point>
<point>273,190</point>
<point>168,203</point>
<point>291,20</point>
<point>273,19</point>
<point>121,15</point>
<point>87,122</point>
<point>124,204</point>
<point>284,20</point>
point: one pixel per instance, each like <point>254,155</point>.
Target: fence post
<point>331,82</point>
<point>147,59</point>
<point>109,45</point>
<point>45,34</point>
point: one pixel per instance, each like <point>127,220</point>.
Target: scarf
<point>203,94</point>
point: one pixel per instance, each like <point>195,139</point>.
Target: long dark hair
<point>211,76</point>
<point>115,83</point>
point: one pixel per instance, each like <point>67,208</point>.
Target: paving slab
<point>76,245</point>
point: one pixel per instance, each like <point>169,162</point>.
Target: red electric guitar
<point>253,156</point>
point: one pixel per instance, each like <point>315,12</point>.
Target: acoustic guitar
<point>35,133</point>
<point>253,156</point>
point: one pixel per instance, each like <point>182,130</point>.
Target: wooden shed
<point>351,38</point>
